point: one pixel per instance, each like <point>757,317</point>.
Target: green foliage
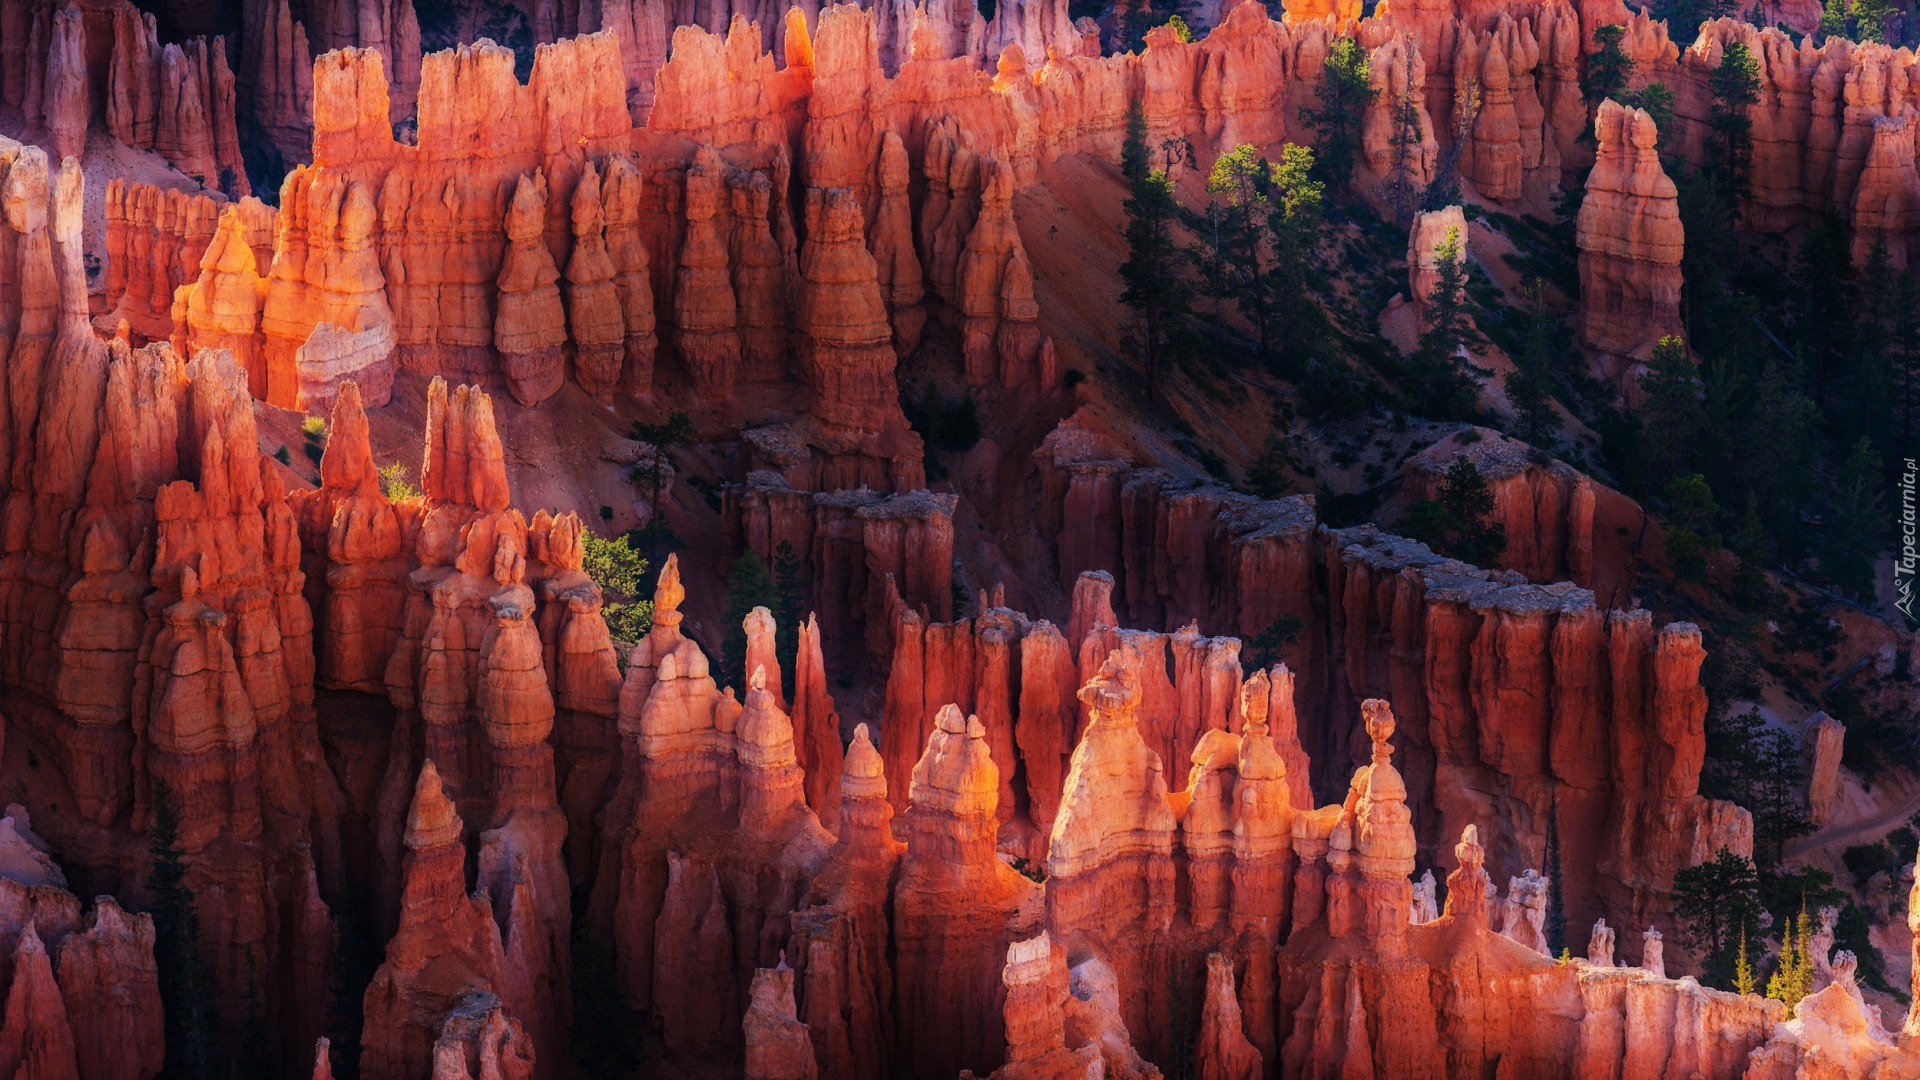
<point>1455,522</point>
<point>186,995</point>
<point>1445,382</point>
<point>314,428</point>
<point>1671,410</point>
<point>1690,514</point>
<point>1793,978</point>
<point>1860,516</point>
<point>1344,97</point>
<point>1718,903</point>
<point>651,473</point>
<point>1685,16</point>
<point>1405,142</point>
<point>282,455</point>
<point>1180,30</point>
<point>781,591</point>
<point>394,482</point>
<point>1269,646</point>
<point>1733,86</point>
<point>1742,969</point>
<point>1156,288</point>
<point>1608,68</point>
<point>621,573</point>
<point>1657,102</point>
<point>1265,219</point>
<point>1530,387</point>
<point>1759,768</point>
<point>1269,475</point>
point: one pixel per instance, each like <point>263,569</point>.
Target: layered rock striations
<point>1630,238</point>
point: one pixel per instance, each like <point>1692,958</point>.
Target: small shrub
<point>394,482</point>
<point>282,455</point>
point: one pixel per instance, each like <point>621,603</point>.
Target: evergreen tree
<point>1267,477</point>
<point>1530,387</point>
<point>185,993</point>
<point>1824,301</point>
<point>1240,181</point>
<point>1155,289</point>
<point>1733,87</point>
<point>1296,321</point>
<point>1455,523</point>
<point>1718,903</point>
<point>653,471</point>
<point>1406,138</point>
<point>1556,927</point>
<point>1608,68</point>
<point>749,585</point>
<point>1742,969</point>
<point>1671,403</point>
<point>1835,19</point>
<point>1344,97</point>
<point>1859,517</point>
<point>789,607</point>
<point>1445,189</point>
<point>1779,795</point>
<point>1749,543</point>
<point>1445,380</point>
<point>1872,19</point>
<point>1793,978</point>
<point>1656,101</point>
<point>1689,526</point>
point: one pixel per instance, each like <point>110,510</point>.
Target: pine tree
<point>1406,137</point>
<point>1733,86</point>
<point>1241,180</point>
<point>1155,289</point>
<point>1742,970</point>
<point>1718,903</point>
<point>1689,526</point>
<point>1793,978</point>
<point>1344,96</point>
<point>1457,521</point>
<point>185,994</point>
<point>1872,19</point>
<point>1608,68</point>
<point>789,608</point>
<point>1530,387</point>
<point>1267,477</point>
<point>1556,891</point>
<point>1859,512</point>
<point>749,585</point>
<point>1445,189</point>
<point>1446,379</point>
<point>1671,403</point>
<point>1296,322</point>
<point>653,472</point>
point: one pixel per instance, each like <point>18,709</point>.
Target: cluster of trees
<point>1259,249</point>
<point>1752,423</point>
<point>1456,522</point>
<point>1733,912</point>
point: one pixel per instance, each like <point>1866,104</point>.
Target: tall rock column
<point>632,280</point>
<point>530,327</point>
<point>847,356</point>
<point>1630,238</point>
<point>952,905</point>
<point>705,310</point>
<point>901,283</point>
<point>594,315</point>
<point>447,945</point>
